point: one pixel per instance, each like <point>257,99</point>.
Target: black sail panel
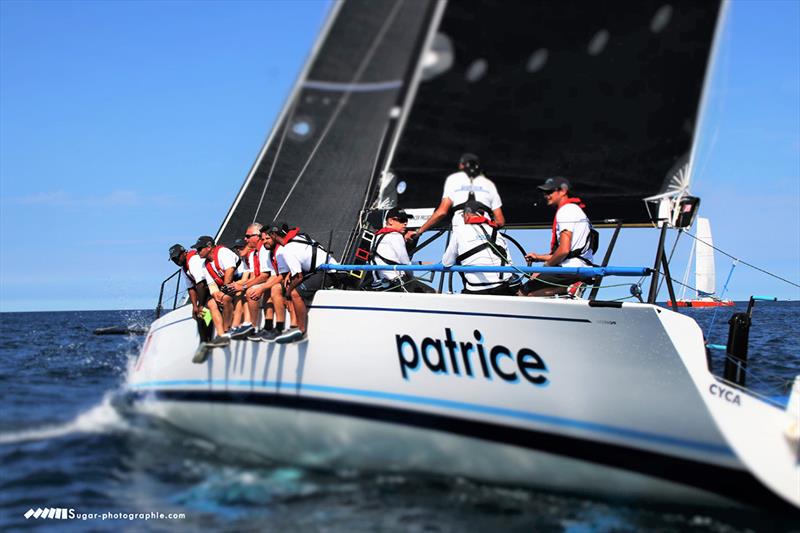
<point>603,92</point>
<point>315,170</point>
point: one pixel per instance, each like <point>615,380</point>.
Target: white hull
<point>611,403</point>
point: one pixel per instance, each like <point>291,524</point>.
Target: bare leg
<point>216,316</point>
<point>278,302</point>
<point>290,306</point>
<point>227,311</point>
<point>300,310</point>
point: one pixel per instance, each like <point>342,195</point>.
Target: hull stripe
<point>458,313</point>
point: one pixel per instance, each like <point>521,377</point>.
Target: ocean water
<point>64,444</point>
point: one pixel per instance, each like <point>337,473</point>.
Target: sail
<point>604,92</point>
<point>705,279</point>
<point>316,167</point>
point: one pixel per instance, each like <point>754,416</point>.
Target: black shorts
<point>500,290</point>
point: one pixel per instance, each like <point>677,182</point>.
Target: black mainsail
<point>605,92</point>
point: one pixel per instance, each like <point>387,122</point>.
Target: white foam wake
<point>101,418</point>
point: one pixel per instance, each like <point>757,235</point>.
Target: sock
<point>279,326</point>
<point>268,325</point>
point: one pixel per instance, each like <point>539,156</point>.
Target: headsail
<point>316,168</point>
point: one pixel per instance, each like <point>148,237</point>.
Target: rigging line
<point>345,98</point>
<point>669,259</point>
<point>286,126</point>
<point>742,261</point>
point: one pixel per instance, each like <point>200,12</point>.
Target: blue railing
<point>578,271</point>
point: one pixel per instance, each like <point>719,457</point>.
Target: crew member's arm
<point>451,254</point>
<point>196,309</point>
<point>292,281</point>
<point>555,259</point>
<point>499,218</point>
<point>441,212</point>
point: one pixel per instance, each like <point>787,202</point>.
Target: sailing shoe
<point>255,336</point>
<point>220,341</point>
<point>269,335</point>
<point>292,335</point>
<point>242,332</point>
<point>201,355</point>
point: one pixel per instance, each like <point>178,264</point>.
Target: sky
<point>128,126</point>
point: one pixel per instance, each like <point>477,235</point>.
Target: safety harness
<point>185,267</point>
<point>296,236</point>
<point>592,240</point>
<point>215,269</point>
<point>470,198</point>
<point>379,236</point>
<point>489,243</point>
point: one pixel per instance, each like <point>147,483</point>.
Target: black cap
<point>175,251</point>
<point>279,227</point>
<point>397,213</point>
<point>473,206</point>
<point>238,244</point>
<point>203,241</point>
<point>468,158</point>
<point>554,183</point>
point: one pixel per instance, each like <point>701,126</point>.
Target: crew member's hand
<point>197,311</point>
<point>219,297</point>
<point>533,257</point>
<point>254,293</point>
<point>410,235</point>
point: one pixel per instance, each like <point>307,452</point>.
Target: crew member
<point>193,278</point>
<point>389,248</point>
<point>241,326</point>
<point>297,259</point>
<point>478,242</point>
<point>469,183</point>
<point>571,241</point>
<point>220,263</point>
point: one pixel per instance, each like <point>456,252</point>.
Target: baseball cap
<point>397,213</point>
<point>175,251</point>
<point>279,227</point>
<point>554,183</point>
<point>468,158</point>
<point>203,241</point>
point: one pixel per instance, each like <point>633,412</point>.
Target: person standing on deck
<point>478,242</point>
<point>570,244</point>
<point>220,264</point>
<point>192,270</point>
<point>469,183</point>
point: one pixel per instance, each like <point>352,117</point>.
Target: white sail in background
<point>705,280</point>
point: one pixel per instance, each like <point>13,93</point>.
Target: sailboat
<point>578,395</point>
<point>705,277</point>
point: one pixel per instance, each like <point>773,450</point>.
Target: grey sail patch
<point>353,87</point>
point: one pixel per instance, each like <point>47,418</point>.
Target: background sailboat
<point>704,271</point>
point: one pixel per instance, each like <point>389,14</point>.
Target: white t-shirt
<point>392,246</point>
<point>458,186</point>
<point>295,258</point>
<point>226,258</point>
<point>468,236</point>
<point>264,261</point>
<point>197,272</point>
<point>571,217</point>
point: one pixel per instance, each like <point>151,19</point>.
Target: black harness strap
<point>303,238</point>
<point>491,244</point>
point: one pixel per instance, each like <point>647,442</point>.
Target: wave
<point>102,418</point>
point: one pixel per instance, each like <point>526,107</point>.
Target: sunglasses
<point>548,193</point>
<point>248,235</point>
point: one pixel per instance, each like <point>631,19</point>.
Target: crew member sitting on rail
<point>571,244</point>
<point>467,184</point>
<point>297,259</point>
<point>220,265</point>
<point>264,285</point>
<point>241,326</point>
<point>478,242</point>
<point>389,248</point>
<point>193,278</point>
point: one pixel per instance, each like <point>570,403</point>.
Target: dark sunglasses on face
<point>248,235</point>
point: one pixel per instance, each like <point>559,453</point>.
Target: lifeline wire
<point>744,262</point>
